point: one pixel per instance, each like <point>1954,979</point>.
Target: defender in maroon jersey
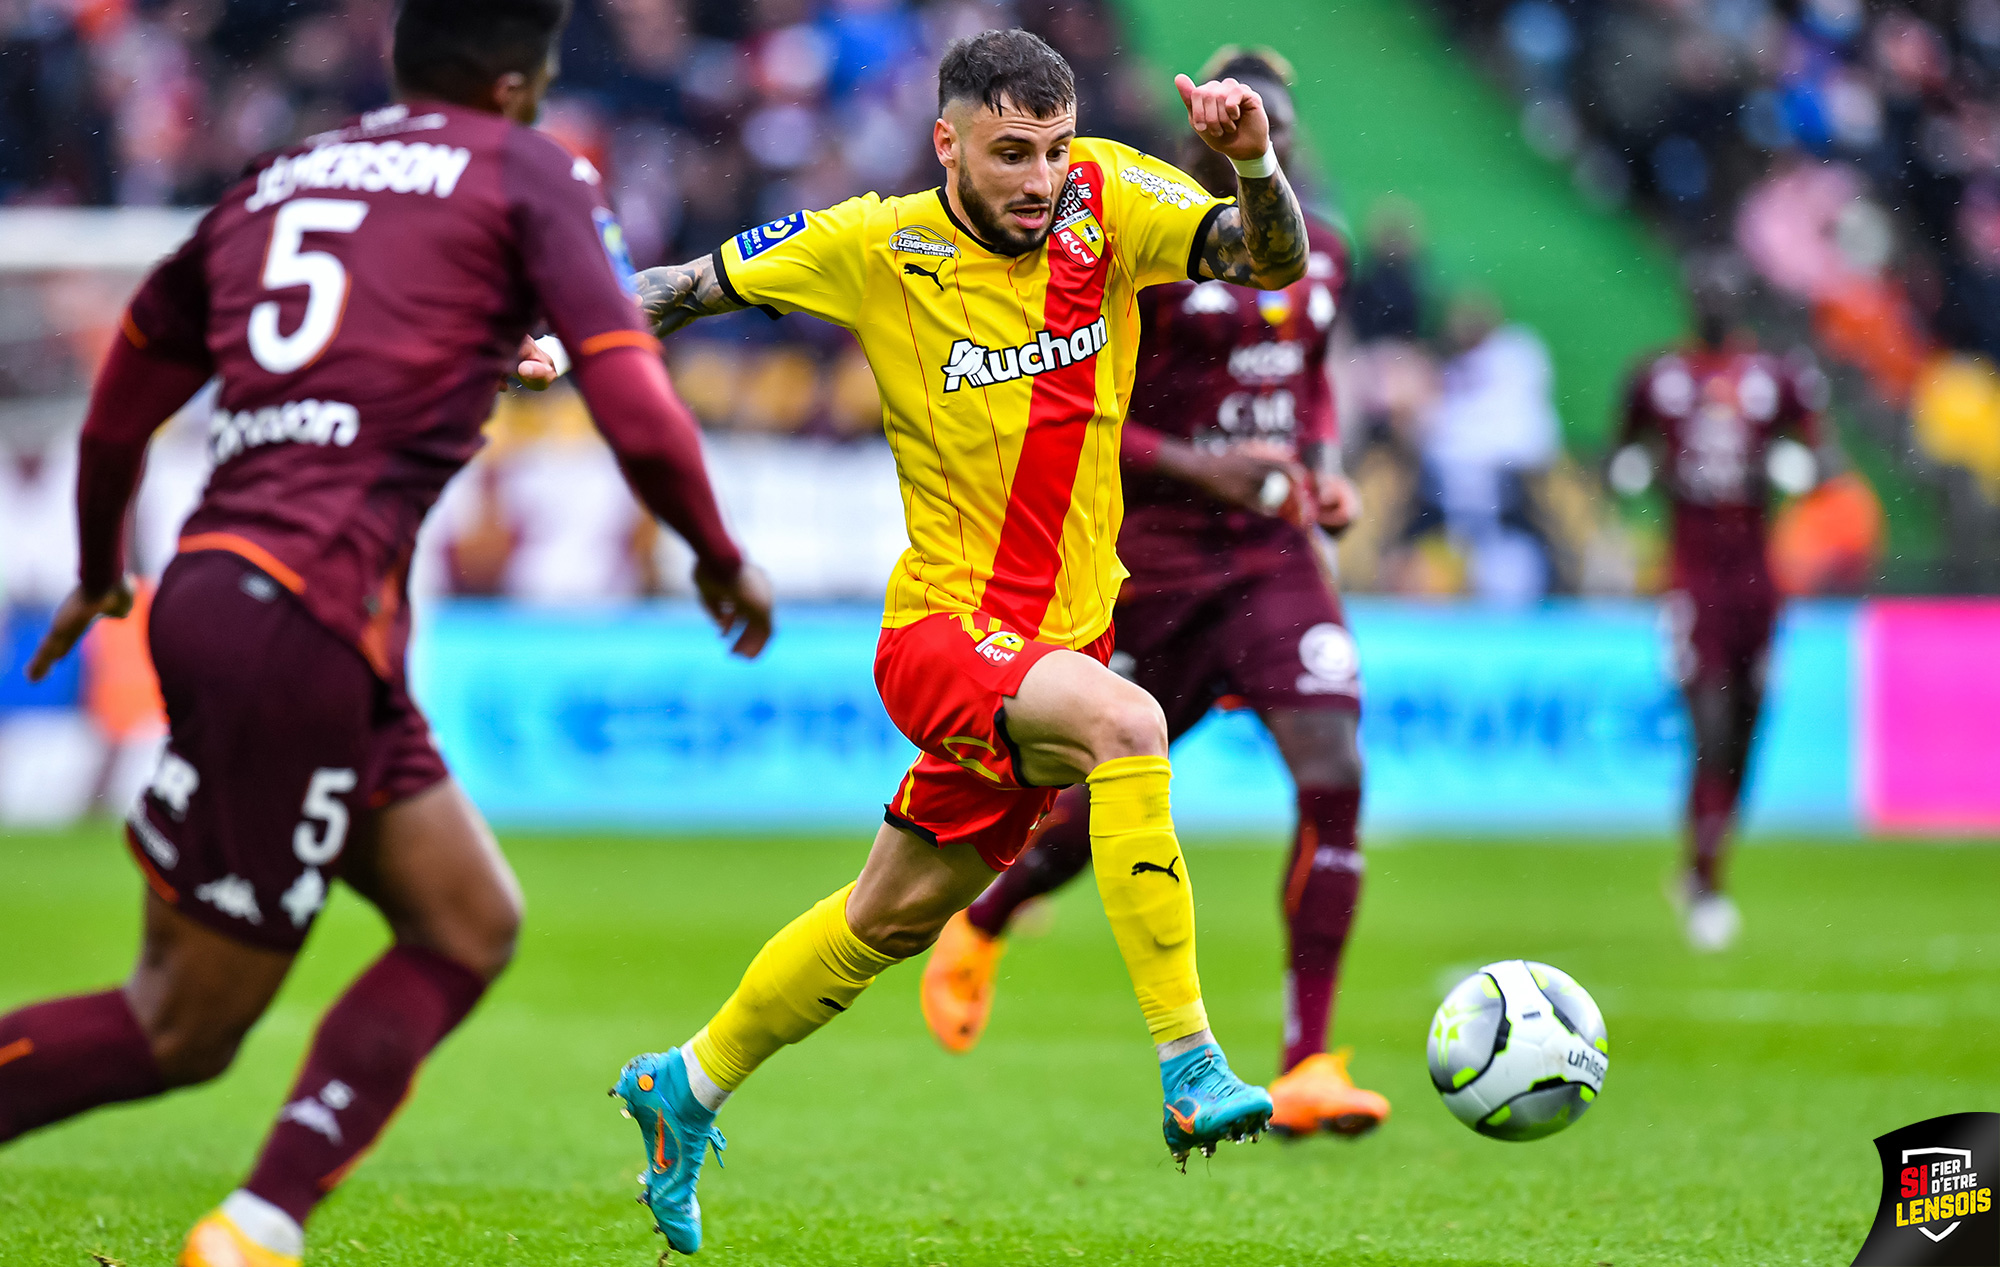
<point>1719,420</point>
<point>361,298</point>
<point>1231,460</point>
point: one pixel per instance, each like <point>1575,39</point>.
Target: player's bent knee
<point>1129,724</point>
<point>481,936</point>
<point>188,1055</point>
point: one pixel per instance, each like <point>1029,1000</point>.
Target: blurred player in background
<point>998,314</point>
<point>1232,466</point>
<point>361,297</point>
<point>1725,424</point>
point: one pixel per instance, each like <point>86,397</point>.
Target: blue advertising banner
<point>1560,719</point>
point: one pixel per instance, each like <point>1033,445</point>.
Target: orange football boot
<point>217,1242</point>
<point>1317,1094</point>
<point>958,984</point>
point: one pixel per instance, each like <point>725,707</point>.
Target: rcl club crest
<point>1001,646</point>
<point>1077,230</point>
<point>1937,1195</point>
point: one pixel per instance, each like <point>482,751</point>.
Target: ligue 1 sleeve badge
<point>1937,1195</point>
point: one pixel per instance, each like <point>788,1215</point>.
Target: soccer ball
<point>1518,1050</point>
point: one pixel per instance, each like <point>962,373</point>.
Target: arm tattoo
<point>1261,241</point>
<point>677,294</point>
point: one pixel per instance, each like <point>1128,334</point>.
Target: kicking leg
<point>1322,885</point>
<point>431,866</point>
<point>809,973</point>
<point>1075,720</point>
<point>178,1020</point>
<point>957,990</point>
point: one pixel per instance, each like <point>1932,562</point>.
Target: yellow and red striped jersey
<point>1004,378</point>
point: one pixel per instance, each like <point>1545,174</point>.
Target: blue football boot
<point>1207,1104</point>
<point>677,1132</point>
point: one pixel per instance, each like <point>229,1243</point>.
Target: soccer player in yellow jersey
<point>999,316</point>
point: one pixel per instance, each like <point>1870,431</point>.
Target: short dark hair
<point>993,67</point>
<point>1257,66</point>
<point>455,49</point>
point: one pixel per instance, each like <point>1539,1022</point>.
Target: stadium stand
<point>1850,152</point>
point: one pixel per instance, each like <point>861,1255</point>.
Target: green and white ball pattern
<point>1518,1050</point>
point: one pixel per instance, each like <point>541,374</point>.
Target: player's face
<point>1003,170</point>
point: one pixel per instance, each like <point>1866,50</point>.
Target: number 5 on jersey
<point>317,840</point>
<point>286,265</point>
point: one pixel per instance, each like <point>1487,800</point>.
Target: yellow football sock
<point>1144,884</point>
<point>803,977</point>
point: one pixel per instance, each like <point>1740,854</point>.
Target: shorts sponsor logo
<point>1267,362</point>
<point>401,167</point>
<point>156,845</point>
<point>1169,192</point>
<point>1332,661</point>
<point>918,240</point>
<point>1331,858</point>
<point>1002,646</point>
<point>174,782</point>
<point>974,364</point>
<point>233,896</point>
<point>754,242</point>
<point>305,898</point>
<point>320,422</point>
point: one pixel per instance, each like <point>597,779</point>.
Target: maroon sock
<point>362,1062</point>
<point>1710,813</point>
<point>1059,849</point>
<point>1322,884</point>
<point>67,1055</point>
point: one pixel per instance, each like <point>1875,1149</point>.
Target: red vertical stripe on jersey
<point>1029,556</point>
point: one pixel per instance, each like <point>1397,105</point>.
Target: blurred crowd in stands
<point>1849,150</point>
<point>1852,154</point>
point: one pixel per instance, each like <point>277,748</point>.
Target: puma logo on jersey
<point>980,366</point>
<point>931,273</point>
<point>1140,868</point>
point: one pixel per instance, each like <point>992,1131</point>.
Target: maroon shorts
<point>1720,637</point>
<point>944,681</point>
<point>1271,639</point>
<point>280,740</point>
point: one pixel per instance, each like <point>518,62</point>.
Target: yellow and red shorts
<point>945,681</point>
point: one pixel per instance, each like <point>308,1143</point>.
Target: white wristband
<point>557,352</point>
<point>1263,166</point>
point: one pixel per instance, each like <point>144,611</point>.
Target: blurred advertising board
<point>1561,719</point>
<point>1930,705</point>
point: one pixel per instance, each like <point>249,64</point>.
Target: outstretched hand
<point>67,626</point>
<point>1227,115</point>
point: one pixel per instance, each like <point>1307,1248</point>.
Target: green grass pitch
<point>1735,1125</point>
